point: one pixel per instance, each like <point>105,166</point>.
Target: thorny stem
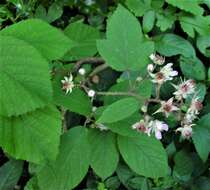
<point>158,91</point>
<point>98,69</point>
<point>79,63</point>
<point>64,124</point>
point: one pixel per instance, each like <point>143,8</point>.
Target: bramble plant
<point>102,95</point>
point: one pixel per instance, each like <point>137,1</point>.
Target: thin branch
<point>98,69</point>
<point>79,63</point>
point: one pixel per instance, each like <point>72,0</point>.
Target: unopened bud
<point>91,93</point>
<point>150,68</point>
<point>82,71</point>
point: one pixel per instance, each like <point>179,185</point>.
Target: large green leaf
<point>144,155</point>
<point>24,77</point>
<point>77,101</point>
<point>193,68</point>
<point>10,173</point>
<point>124,48</point>
<point>190,6</point>
<point>119,110</point>
<point>104,154</point>
<point>49,41</point>
<point>171,44</point>
<point>84,40</point>
<point>148,21</point>
<point>201,137</point>
<point>124,127</point>
<point>183,166</point>
<point>71,164</point>
<point>34,136</point>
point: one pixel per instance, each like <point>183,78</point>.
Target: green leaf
<point>148,21</point>
<point>71,164</point>
<point>32,184</point>
<point>24,80</point>
<point>190,24</point>
<point>119,110</point>
<point>84,40</point>
<point>124,48</point>
<point>183,166</point>
<point>190,6</point>
<point>77,101</point>
<point>192,68</point>
<point>55,11</point>
<point>201,137</point>
<point>203,44</point>
<point>166,18</point>
<point>144,155</point>
<point>138,7</point>
<point>49,41</point>
<point>33,137</point>
<point>171,44</point>
<point>10,173</point>
<point>124,127</point>
<point>104,154</point>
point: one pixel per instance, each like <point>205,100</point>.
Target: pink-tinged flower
<point>139,126</point>
<point>185,89</point>
<point>196,106</point>
<point>156,127</point>
<point>165,74</point>
<point>167,107</point>
<point>157,59</point>
<point>186,131</point>
<point>68,84</point>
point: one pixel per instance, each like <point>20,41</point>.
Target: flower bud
<point>150,68</point>
<point>91,93</point>
<point>82,71</point>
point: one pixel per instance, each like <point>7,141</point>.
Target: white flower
<point>189,117</point>
<point>165,74</point>
<point>68,84</point>
<point>193,111</point>
<point>156,127</point>
<point>140,126</point>
<point>167,107</point>
<point>157,59</point>
<point>91,93</point>
<point>186,131</point>
<point>196,106</point>
<point>82,71</point>
<point>150,68</point>
<point>184,89</point>
<point>94,109</point>
<point>139,79</point>
<point>102,127</point>
<point>144,108</point>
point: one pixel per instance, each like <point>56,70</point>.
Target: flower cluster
<point>68,83</point>
<point>166,73</point>
<point>186,90</point>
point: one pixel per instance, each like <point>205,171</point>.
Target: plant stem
<point>98,69</point>
<point>158,91</point>
<point>88,60</point>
